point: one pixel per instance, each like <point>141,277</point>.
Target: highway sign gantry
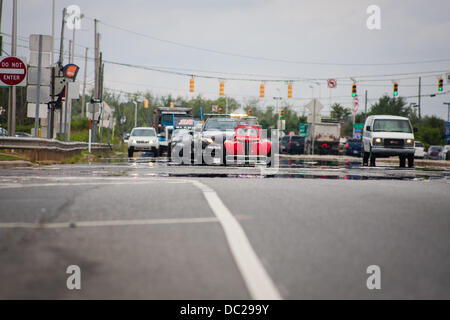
<point>13,72</point>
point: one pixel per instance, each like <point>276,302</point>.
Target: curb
<point>15,164</point>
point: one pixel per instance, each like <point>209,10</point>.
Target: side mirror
<point>415,130</point>
<point>368,128</point>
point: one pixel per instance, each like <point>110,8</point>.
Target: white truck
<point>326,137</point>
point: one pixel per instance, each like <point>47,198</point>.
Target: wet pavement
<point>146,228</point>
<point>146,166</point>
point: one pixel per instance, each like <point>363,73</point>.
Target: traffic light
<point>441,84</point>
<point>220,110</point>
<point>395,89</point>
<point>172,104</point>
<point>354,90</point>
<point>290,90</point>
<point>261,90</point>
<point>222,88</point>
<point>146,103</point>
<point>191,84</point>
<point>70,71</point>
<point>249,112</point>
<point>281,114</point>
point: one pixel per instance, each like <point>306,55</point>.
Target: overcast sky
<point>325,32</point>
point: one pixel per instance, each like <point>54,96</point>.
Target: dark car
<point>353,147</point>
<point>292,145</point>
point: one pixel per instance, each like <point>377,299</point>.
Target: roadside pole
<point>90,134</point>
<point>83,100</point>
<point>12,91</point>
<point>38,91</point>
<point>65,112</point>
<point>313,127</point>
<point>419,96</point>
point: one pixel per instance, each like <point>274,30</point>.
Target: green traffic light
<point>353,94</point>
<point>440,88</point>
<point>395,93</point>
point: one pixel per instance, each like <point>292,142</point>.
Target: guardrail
<point>49,149</point>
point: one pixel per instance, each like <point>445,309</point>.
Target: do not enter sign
<point>13,72</point>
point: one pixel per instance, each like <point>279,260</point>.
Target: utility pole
<point>365,103</point>
<point>313,126</point>
<point>418,102</point>
<point>96,56</point>
<point>135,114</point>
<point>53,31</point>
<point>70,51</point>
<point>1,37</point>
<point>60,64</point>
<point>12,97</point>
<point>83,100</point>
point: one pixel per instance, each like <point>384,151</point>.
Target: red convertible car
<point>247,146</point>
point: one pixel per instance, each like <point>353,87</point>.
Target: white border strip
<point>106,223</point>
<point>256,278</point>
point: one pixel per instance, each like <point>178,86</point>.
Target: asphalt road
<point>148,230</point>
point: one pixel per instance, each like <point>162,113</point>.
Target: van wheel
<point>130,152</point>
<point>411,161</point>
<point>402,161</point>
<point>365,158</point>
<point>372,159</point>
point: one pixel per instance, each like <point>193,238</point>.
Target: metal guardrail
<point>22,143</point>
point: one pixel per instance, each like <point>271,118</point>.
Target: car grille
<point>394,143</point>
<point>142,141</point>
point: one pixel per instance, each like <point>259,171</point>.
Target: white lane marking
<point>95,183</point>
<point>107,223</point>
<point>256,278</point>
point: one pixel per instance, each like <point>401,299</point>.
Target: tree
<point>339,112</point>
<point>390,106</point>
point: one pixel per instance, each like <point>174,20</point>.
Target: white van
<point>386,136</point>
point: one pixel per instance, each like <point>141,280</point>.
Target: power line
<point>233,54</point>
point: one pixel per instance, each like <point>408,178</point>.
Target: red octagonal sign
<point>12,71</point>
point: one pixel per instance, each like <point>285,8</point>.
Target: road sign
<point>13,72</point>
<point>357,130</point>
<point>310,106</point>
<point>355,104</point>
<point>44,94</point>
<point>32,77</point>
<point>214,108</point>
<point>447,132</point>
<point>303,130</point>
<point>332,83</point>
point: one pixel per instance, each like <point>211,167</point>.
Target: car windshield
<point>435,149</point>
<point>419,144</point>
<point>143,133</point>
<point>392,125</point>
<point>220,125</point>
<point>250,132</point>
<point>180,132</point>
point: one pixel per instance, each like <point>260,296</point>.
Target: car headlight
<point>377,141</point>
<point>207,140</point>
<point>409,142</point>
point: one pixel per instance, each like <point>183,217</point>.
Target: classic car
<point>247,147</point>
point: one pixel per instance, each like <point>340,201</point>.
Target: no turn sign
<point>13,72</point>
<point>332,83</point>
